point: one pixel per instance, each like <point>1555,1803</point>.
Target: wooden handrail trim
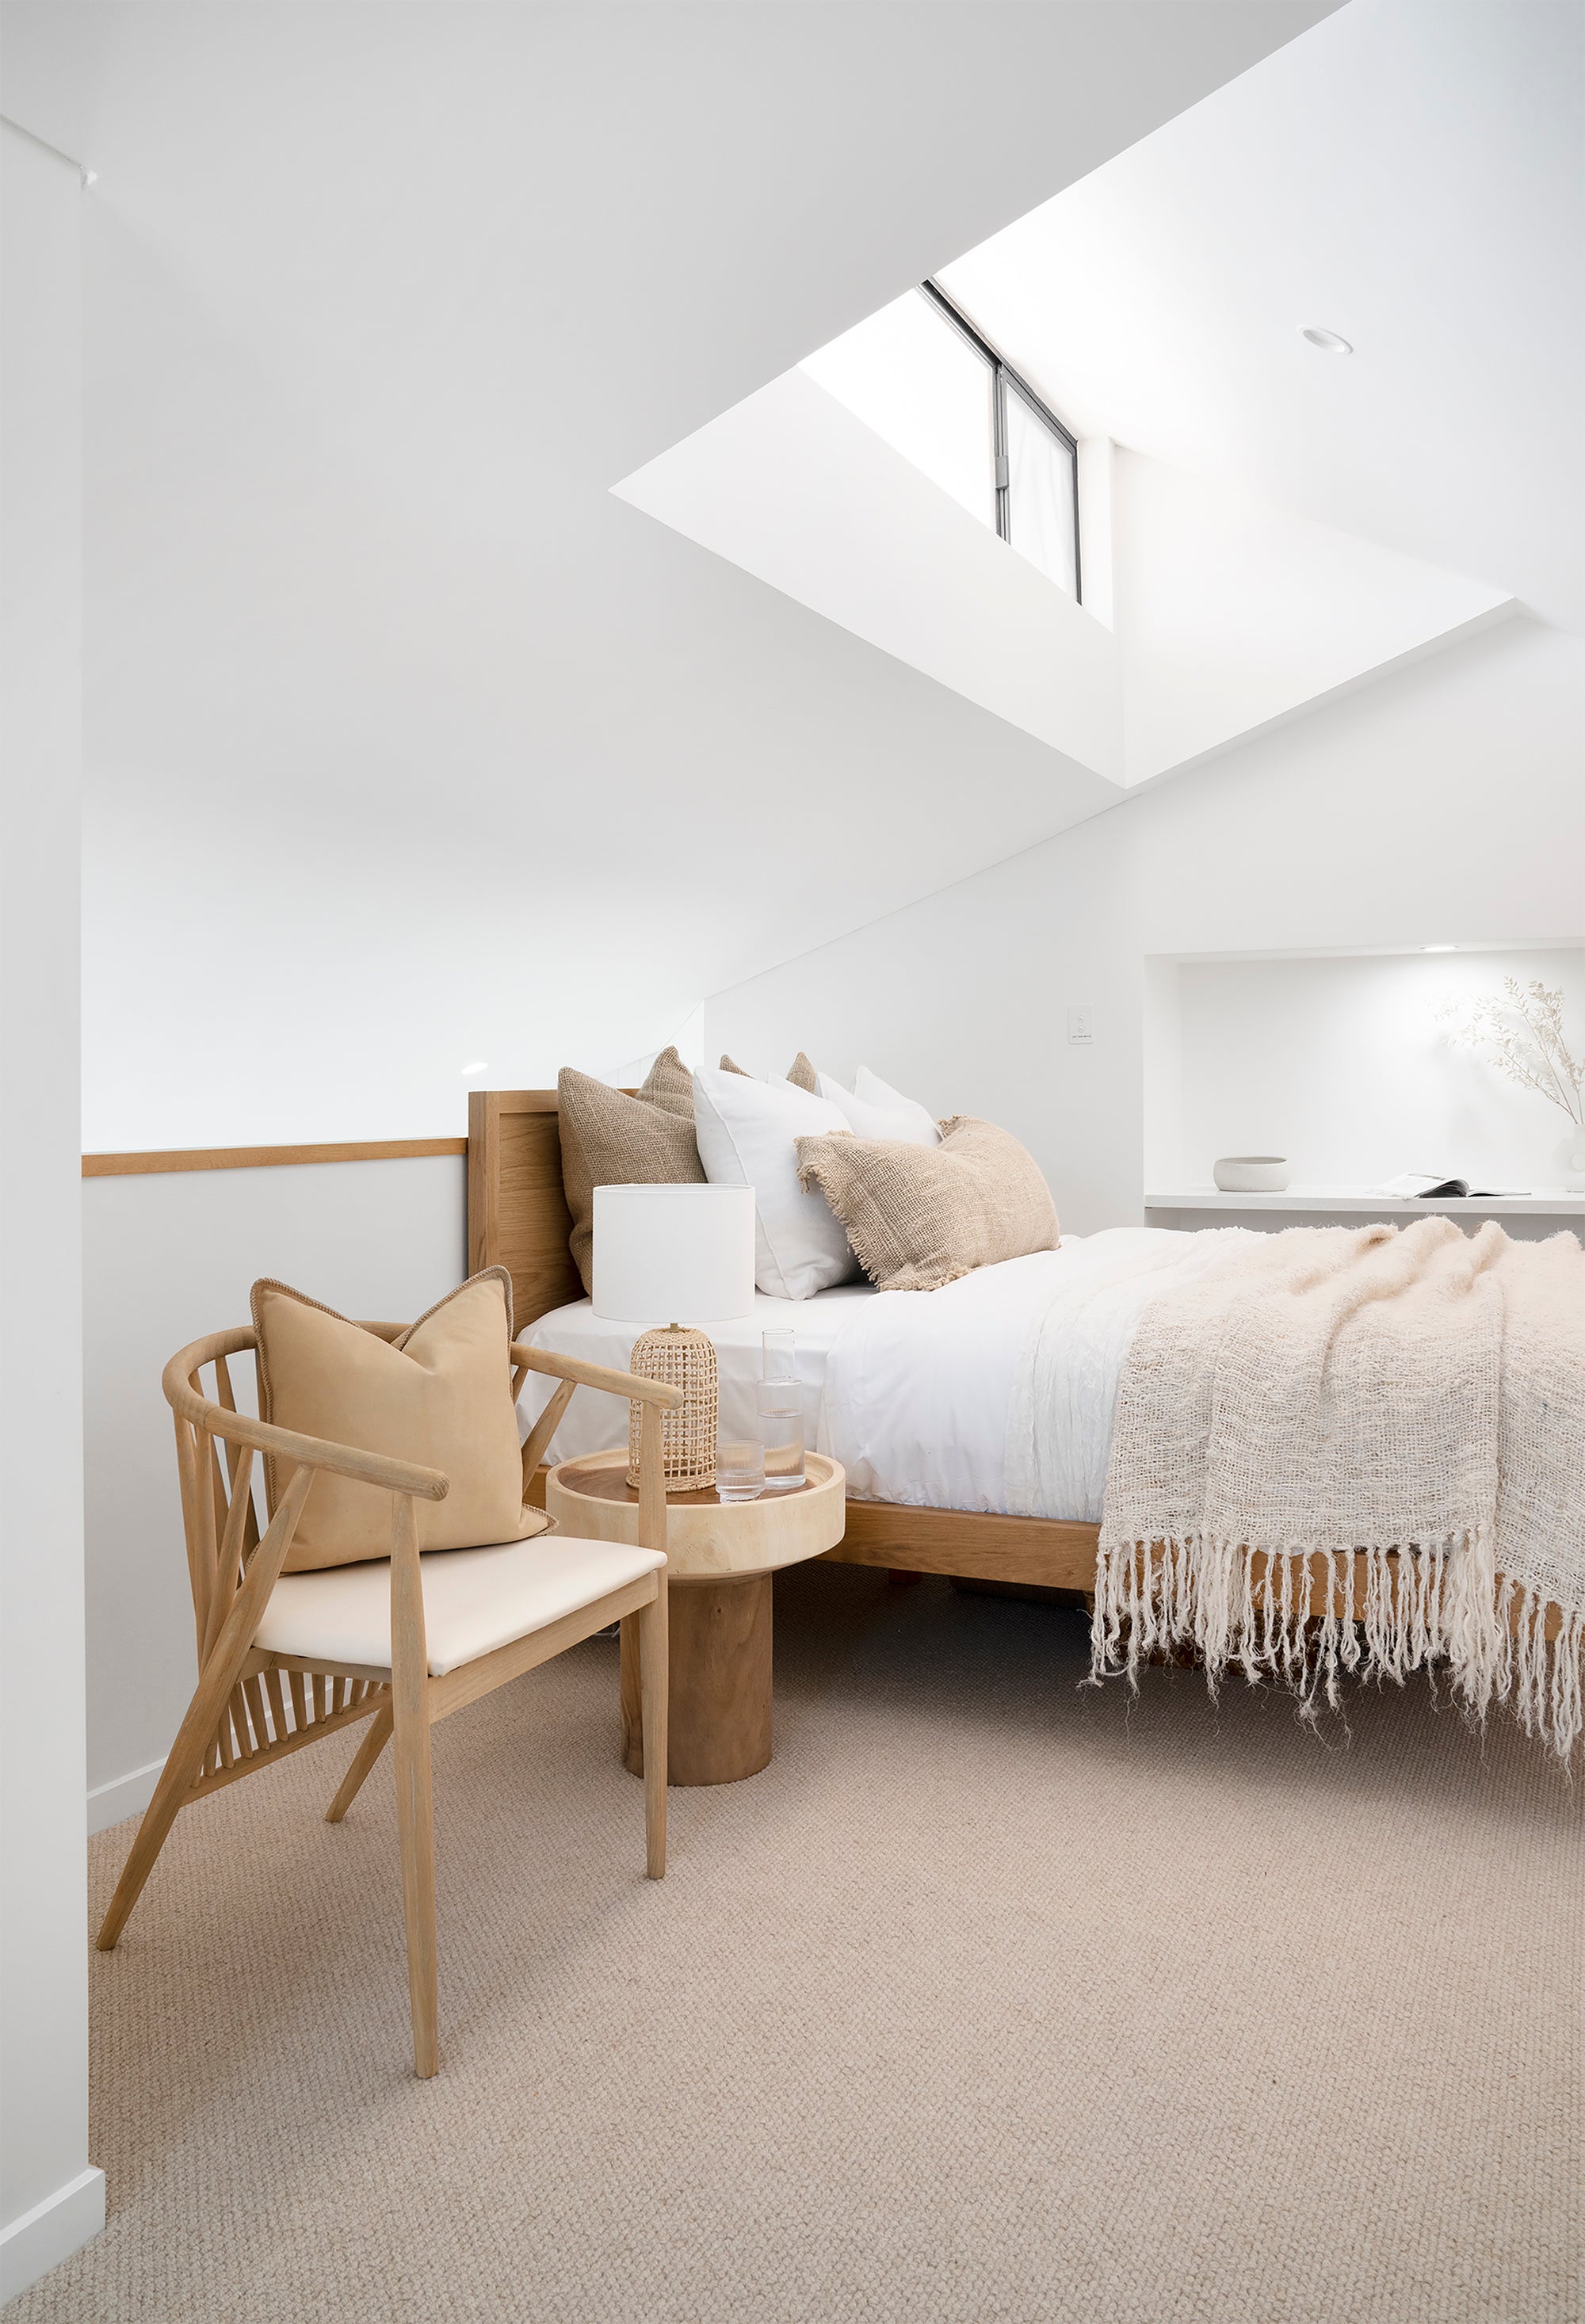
<point>266,1158</point>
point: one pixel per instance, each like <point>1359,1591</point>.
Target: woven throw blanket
<point>1333,1391</point>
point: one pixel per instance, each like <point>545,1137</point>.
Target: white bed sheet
<point>595,1423</point>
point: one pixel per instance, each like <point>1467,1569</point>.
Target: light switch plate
<point>1081,1026</point>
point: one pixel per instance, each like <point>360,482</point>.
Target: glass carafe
<point>779,1407</point>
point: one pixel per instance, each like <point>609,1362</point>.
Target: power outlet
<point>1081,1026</point>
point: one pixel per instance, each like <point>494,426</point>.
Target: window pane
<point>907,375</point>
<point>1040,493</point>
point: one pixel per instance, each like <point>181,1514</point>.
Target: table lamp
<point>685,1254</point>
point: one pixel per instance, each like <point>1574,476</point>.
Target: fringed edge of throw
<point>1253,1609</point>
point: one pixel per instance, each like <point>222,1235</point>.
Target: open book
<point>1420,1185</point>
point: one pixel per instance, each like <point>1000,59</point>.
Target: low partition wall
<point>171,1243</point>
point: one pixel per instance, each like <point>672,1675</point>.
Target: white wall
<point>1442,805</point>
<point>52,2199</point>
<point>1343,1066</point>
<point>166,1260</point>
<point>407,744</point>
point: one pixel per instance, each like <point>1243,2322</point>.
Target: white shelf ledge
<point>1546,1202</point>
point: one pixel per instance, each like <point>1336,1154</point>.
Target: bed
<point>518,1218</point>
<point>918,1396</point>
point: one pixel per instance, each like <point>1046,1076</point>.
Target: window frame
<point>1004,380</point>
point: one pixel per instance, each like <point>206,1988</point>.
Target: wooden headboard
<point>518,1216</point>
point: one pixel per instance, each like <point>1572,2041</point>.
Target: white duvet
<point>926,1397</point>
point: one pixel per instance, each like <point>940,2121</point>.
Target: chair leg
<point>654,1654</point>
<point>177,1778</point>
<point>175,1782</point>
<point>205,1712</point>
<point>376,1735</point>
<point>415,1818</point>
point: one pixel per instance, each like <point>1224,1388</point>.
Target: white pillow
<point>745,1132</point>
<point>872,1091</point>
<point>910,1126</point>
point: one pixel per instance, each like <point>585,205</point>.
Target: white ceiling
<point>1279,523</point>
<point>406,743</point>
<point>1411,175</point>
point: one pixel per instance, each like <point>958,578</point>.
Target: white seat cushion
<point>474,1600</point>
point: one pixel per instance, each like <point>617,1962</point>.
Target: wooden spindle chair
<point>254,1704</point>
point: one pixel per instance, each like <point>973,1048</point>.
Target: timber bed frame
<point>518,1218</point>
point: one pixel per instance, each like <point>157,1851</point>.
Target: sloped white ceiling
<point>792,488</point>
<point>1227,615</point>
<point>1233,616</point>
<point>1283,524</point>
<point>1410,174</point>
<point>407,744</point>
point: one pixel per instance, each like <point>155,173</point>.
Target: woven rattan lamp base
<point>686,1360</point>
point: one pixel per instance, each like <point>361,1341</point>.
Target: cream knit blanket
<point>1335,1391</point>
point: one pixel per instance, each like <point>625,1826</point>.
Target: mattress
<point>596,1422</point>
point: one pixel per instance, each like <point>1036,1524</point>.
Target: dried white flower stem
<point>1520,1031</point>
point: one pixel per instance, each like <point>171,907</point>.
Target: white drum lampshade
<point>680,1254</point>
<point>674,1254</point>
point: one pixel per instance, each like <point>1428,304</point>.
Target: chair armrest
<point>615,1383</point>
<point>304,1451</point>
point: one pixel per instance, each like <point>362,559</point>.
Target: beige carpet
<point>992,1999</point>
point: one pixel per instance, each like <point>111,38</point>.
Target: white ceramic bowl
<point>1253,1174</point>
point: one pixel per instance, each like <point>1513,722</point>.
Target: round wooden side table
<point>719,1556</point>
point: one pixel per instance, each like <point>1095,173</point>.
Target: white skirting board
<point>125,1795</point>
<point>51,2232</point>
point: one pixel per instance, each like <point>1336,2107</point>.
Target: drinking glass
<point>739,1470</point>
<point>778,1403</point>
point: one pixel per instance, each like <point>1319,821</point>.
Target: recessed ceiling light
<point>1438,947</point>
<point>1328,342</point>
<point>479,1065</point>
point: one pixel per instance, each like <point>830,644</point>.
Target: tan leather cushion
<point>609,1138</point>
<point>919,1216</point>
<point>441,1395</point>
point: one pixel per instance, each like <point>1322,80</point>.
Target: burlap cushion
<point>610,1140</point>
<point>669,1085</point>
<point>919,1216</point>
<point>800,1072</point>
<point>441,1395</point>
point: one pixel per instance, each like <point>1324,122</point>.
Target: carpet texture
<point>994,1997</point>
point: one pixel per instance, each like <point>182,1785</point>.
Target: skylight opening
<point>930,384</point>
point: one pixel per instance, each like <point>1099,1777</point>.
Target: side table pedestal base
<point>720,1710</point>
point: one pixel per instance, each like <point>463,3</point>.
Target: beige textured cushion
<point>800,1072</point>
<point>919,1216</point>
<point>669,1085</point>
<point>610,1140</point>
<point>441,1395</point>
